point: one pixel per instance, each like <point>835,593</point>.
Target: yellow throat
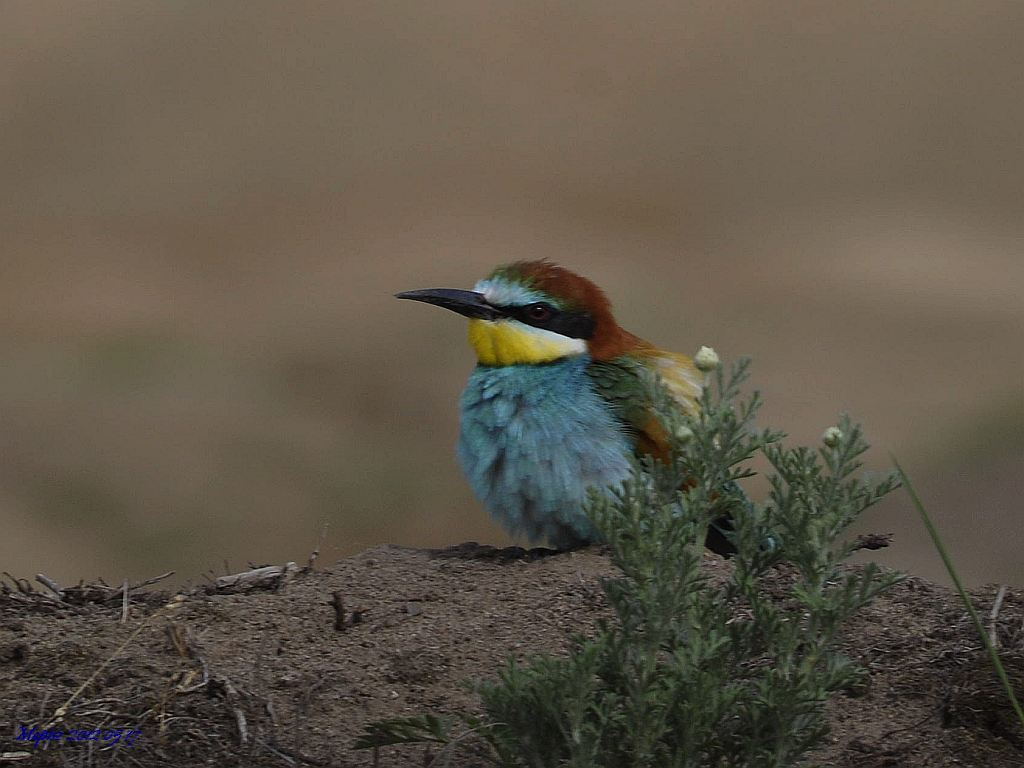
<point>509,342</point>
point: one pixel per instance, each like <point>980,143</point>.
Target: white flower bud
<point>706,359</point>
<point>832,436</point>
<point>684,434</point>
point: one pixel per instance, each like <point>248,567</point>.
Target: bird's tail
<point>720,539</point>
<point>721,536</point>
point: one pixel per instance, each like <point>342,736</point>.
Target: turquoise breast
<point>533,439</point>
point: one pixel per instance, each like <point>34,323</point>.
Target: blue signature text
<point>107,736</point>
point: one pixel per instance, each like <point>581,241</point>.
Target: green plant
<point>692,670</point>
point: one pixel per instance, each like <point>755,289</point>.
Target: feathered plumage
<point>557,402</point>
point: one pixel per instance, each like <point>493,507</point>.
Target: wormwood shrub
<point>691,672</point>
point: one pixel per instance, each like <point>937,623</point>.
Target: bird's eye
<point>538,312</point>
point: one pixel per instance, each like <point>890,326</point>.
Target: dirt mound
<point>288,670</point>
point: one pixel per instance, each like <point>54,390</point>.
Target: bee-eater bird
<point>556,404</point>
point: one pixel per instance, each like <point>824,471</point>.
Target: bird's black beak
<point>468,303</point>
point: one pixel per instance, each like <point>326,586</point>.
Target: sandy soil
<point>268,677</point>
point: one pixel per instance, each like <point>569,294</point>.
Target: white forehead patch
<point>500,292</point>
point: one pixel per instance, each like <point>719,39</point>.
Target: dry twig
<point>124,602</point>
<point>872,541</point>
<point>994,614</point>
<point>50,584</point>
<point>267,576</point>
<point>338,604</point>
<point>316,551</point>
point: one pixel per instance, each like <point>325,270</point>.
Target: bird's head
<point>534,312</point>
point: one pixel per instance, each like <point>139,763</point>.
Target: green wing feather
<point>620,382</point>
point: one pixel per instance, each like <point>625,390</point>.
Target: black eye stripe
<point>575,325</point>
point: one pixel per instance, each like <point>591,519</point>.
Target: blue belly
<point>533,439</point>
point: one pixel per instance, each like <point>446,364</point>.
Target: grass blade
<point>948,562</point>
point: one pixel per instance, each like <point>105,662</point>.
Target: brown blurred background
<point>205,208</point>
